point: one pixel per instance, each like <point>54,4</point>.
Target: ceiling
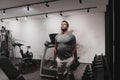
<point>54,6</point>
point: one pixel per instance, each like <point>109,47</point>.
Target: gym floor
<point>35,73</point>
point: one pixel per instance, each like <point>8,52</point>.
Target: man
<point>65,50</point>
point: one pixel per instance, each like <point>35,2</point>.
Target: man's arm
<point>55,51</point>
<point>74,51</point>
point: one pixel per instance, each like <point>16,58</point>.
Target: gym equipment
<point>27,58</point>
<point>98,68</point>
<point>48,68</point>
<point>98,63</point>
<point>75,65</point>
<point>5,41</point>
<point>88,74</point>
<point>9,69</point>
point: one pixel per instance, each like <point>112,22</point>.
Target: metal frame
<point>42,63</point>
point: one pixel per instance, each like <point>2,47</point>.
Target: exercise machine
<point>5,41</point>
<point>48,68</point>
<point>9,69</point>
<point>27,58</point>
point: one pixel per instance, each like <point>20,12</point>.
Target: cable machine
<point>5,42</point>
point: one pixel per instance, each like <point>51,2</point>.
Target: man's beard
<point>63,30</point>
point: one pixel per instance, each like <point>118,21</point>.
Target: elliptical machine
<point>27,58</point>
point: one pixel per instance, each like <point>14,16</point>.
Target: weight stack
<point>98,68</point>
<point>88,74</point>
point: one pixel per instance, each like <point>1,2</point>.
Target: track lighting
<point>80,1</point>
<point>28,7</point>
<point>16,19</point>
<point>47,5</point>
<point>88,10</point>
<point>46,15</point>
<point>4,12</point>
<point>61,13</point>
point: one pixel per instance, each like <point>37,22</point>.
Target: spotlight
<point>3,12</point>
<point>61,13</point>
<point>47,5</point>
<point>80,1</point>
<point>16,19</point>
<point>26,17</point>
<point>88,10</point>
<point>46,15</point>
<point>28,8</point>
<point>2,20</point>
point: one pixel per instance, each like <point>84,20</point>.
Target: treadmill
<point>48,68</point>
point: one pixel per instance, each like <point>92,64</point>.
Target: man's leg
<point>61,67</point>
<point>60,76</point>
<point>71,76</point>
<point>70,72</point>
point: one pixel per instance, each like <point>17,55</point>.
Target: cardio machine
<point>48,68</point>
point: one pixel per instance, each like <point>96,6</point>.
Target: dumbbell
<point>88,74</point>
<point>75,64</point>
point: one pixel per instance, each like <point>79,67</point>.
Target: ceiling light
<point>26,17</point>
<point>61,13</point>
<point>80,1</point>
<point>47,5</point>
<point>16,19</point>
<point>2,20</point>
<point>28,8</point>
<point>46,15</point>
<point>3,12</point>
<point>88,10</point>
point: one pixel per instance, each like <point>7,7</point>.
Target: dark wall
<point>117,39</point>
<point>109,36</point>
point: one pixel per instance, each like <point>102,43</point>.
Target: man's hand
<point>75,59</point>
<point>54,63</point>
